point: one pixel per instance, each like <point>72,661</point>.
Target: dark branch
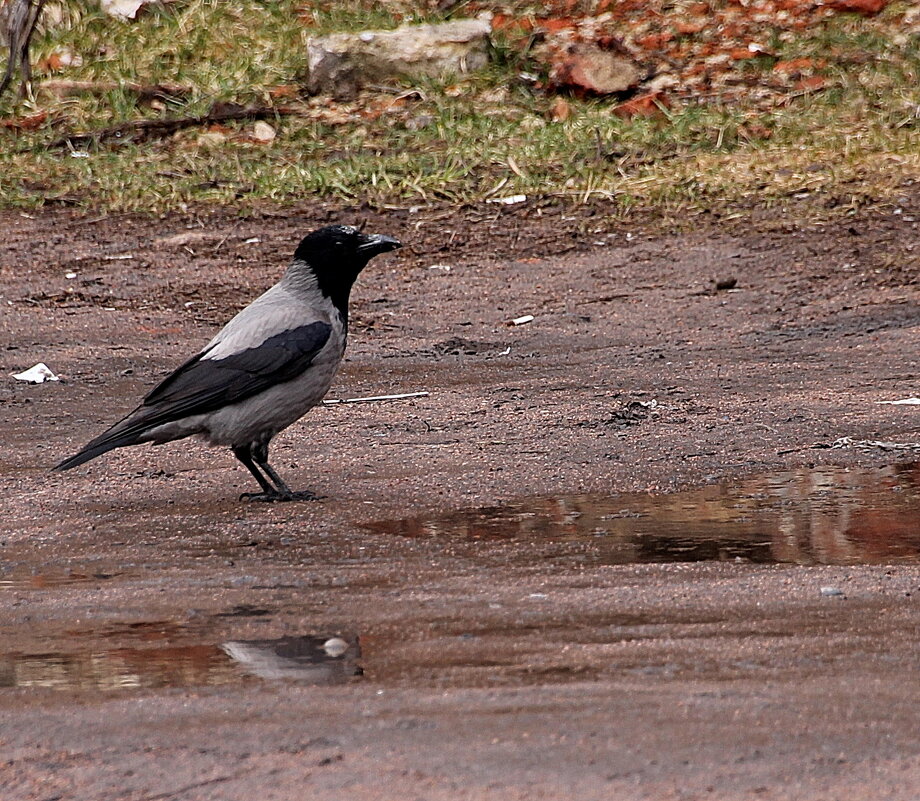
<point>138,130</point>
<point>21,17</point>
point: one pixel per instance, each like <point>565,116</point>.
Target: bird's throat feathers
<point>301,279</point>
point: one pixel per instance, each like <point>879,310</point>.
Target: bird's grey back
<point>281,308</point>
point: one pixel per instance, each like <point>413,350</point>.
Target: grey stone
<point>341,63</point>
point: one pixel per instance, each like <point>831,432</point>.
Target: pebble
<point>829,591</point>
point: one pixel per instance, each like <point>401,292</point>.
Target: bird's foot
<point>303,495</point>
<point>265,497</point>
<point>278,497</point>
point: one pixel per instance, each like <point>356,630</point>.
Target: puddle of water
<point>309,659</point>
<point>826,515</point>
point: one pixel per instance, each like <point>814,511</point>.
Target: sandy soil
<point>490,667</point>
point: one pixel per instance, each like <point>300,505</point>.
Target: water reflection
<point>119,668</point>
<point>319,660</point>
<point>826,515</point>
<point>49,579</point>
<point>314,660</point>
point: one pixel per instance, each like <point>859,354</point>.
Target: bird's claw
<point>304,495</point>
<point>266,497</point>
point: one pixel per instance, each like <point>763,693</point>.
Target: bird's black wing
<point>204,385</point>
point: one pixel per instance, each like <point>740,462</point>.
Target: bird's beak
<point>372,244</point>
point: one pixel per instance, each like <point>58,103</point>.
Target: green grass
<point>852,143</point>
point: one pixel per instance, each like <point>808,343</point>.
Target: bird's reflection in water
<point>317,660</point>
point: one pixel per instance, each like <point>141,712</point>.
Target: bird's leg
<point>285,493</point>
<point>269,493</point>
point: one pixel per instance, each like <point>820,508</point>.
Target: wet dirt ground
<point>661,542</point>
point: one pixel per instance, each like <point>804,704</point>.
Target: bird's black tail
<point>123,433</point>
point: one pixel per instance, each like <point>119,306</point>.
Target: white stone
<point>122,9</point>
<point>341,63</point>
<point>263,132</point>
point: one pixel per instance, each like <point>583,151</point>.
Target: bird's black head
<point>336,255</point>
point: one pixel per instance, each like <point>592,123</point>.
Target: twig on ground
<point>162,91</point>
<point>141,129</point>
<point>187,787</point>
<point>375,398</point>
<point>847,442</point>
<point>220,244</point>
<point>608,298</point>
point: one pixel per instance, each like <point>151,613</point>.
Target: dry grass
<point>489,135</point>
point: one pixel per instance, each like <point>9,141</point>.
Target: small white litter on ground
<point>38,374</point>
<point>511,200</point>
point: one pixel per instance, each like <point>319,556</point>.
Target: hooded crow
<point>265,369</point>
